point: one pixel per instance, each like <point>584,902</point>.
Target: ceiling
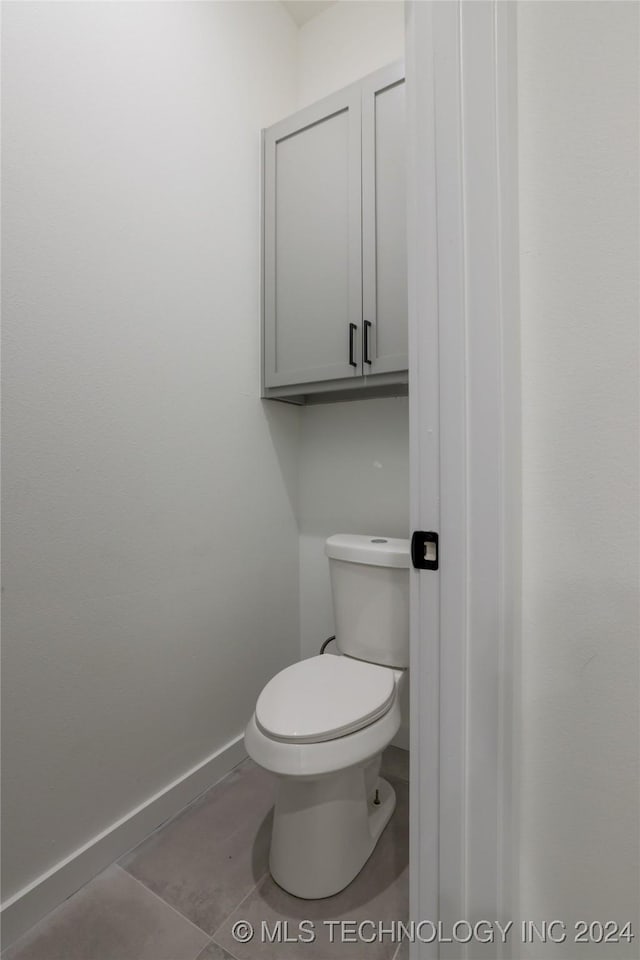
<point>301,11</point>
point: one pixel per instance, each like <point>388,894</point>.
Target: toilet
<point>321,725</point>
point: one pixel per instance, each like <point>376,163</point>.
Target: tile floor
<point>179,893</point>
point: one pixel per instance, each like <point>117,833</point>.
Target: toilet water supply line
<point>326,643</point>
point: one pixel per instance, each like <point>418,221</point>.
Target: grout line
<point>226,949</point>
<point>238,905</point>
<point>174,816</point>
<point>164,902</point>
<point>398,949</point>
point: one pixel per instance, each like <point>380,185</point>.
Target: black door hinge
<point>424,549</point>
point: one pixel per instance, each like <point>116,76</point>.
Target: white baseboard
<point>38,898</point>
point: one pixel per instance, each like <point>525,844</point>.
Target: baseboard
<point>38,898</point>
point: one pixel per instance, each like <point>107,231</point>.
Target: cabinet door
<point>384,228</point>
<point>312,244</point>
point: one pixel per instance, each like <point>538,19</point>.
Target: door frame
<point>464,401</point>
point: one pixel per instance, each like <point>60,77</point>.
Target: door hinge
<point>424,549</point>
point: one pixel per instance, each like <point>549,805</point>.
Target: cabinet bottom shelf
<point>335,391</point>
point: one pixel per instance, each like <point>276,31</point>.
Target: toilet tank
<point>370,589</point>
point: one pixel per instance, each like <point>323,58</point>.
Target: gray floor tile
<point>395,763</point>
<point>111,918</point>
<point>380,892</point>
<point>214,952</point>
<point>403,951</point>
<point>206,860</point>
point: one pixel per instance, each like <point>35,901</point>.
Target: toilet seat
<point>324,698</point>
<point>329,756</point>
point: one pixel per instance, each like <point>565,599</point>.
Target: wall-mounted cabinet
<point>334,244</point>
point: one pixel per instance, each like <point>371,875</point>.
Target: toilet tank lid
<point>376,551</point>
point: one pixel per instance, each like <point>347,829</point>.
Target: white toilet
<point>322,724</point>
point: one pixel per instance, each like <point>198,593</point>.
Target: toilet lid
<point>323,698</point>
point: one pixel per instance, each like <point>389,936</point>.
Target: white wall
<point>150,541</point>
<point>579,206</point>
<point>354,456</point>
<point>347,41</point>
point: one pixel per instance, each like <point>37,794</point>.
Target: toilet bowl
<point>321,725</point>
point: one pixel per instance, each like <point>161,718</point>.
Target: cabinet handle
<point>365,348</point>
<point>352,333</point>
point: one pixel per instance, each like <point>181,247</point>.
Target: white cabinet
<point>384,225</point>
<point>334,244</point>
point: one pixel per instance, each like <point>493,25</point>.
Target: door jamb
<point>464,377</point>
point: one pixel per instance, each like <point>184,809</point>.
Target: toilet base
<point>326,828</point>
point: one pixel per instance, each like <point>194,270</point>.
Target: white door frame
<point>465,455</point>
